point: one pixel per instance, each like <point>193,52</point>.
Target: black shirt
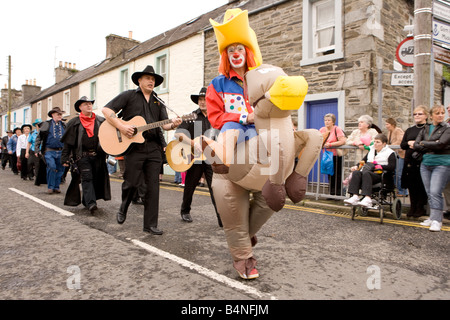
<point>197,127</point>
<point>133,103</point>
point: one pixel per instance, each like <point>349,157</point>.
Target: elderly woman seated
<point>380,158</point>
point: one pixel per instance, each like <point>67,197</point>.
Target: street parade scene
<point>262,154</point>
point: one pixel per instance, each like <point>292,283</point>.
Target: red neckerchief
<point>88,123</point>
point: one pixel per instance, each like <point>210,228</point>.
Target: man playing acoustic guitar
<point>146,158</point>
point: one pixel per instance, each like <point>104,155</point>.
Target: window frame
<point>164,87</point>
<point>309,54</point>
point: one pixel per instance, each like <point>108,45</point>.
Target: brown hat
<point>55,109</point>
<point>150,71</point>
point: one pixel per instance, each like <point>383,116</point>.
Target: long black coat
<point>73,149</point>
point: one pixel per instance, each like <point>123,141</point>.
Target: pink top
<point>335,134</point>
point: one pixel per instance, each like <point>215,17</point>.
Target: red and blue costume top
<point>226,101</point>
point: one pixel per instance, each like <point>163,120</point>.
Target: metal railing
<point>318,185</point>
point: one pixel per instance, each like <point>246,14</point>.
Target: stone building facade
<point>367,35</point>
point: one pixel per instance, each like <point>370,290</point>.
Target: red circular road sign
<point>405,52</point>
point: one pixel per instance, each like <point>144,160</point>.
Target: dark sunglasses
<point>418,114</point>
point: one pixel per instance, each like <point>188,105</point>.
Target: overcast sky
<point>39,34</point>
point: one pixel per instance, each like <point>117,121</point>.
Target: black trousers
<point>6,157</point>
<point>143,160</point>
<point>364,181</point>
<point>193,176</point>
<point>88,166</point>
<point>336,179</point>
<point>26,168</point>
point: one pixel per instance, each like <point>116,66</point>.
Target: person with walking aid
<point>379,158</point>
<point>186,133</point>
<point>49,145</point>
<point>82,149</point>
<point>141,159</point>
<point>433,143</point>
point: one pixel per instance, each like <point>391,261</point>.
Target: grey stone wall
<point>372,31</point>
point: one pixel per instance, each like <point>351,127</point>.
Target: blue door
<point>315,111</point>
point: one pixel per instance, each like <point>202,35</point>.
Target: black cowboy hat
<point>55,109</point>
<point>202,93</point>
<point>15,129</point>
<point>26,125</point>
<point>9,131</point>
<point>80,101</point>
<point>150,71</point>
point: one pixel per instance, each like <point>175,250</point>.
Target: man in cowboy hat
<point>81,144</point>
<point>186,133</point>
<point>143,159</point>
<point>49,145</point>
<point>5,155</point>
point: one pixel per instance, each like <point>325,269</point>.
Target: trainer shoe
<point>426,223</point>
<point>435,226</point>
<point>366,202</point>
<point>353,200</point>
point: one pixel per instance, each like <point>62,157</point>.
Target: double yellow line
<point>323,212</point>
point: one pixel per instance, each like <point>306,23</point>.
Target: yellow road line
<point>321,211</point>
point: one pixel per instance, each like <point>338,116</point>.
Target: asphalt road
<point>54,252</point>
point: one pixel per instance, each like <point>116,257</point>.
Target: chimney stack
<point>62,73</point>
<point>116,45</point>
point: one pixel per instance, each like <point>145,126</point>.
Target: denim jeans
<point>434,180</point>
<point>398,177</point>
<point>55,169</point>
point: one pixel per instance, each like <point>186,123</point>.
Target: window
<point>322,31</point>
<point>27,115</point>
<point>162,68</point>
<point>124,82</point>
<point>66,103</point>
<point>94,93</point>
<point>49,104</point>
<point>39,110</point>
<point>323,27</point>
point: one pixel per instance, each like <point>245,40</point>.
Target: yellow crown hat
<point>236,29</point>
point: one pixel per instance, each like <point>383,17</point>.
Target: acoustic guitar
<point>181,156</point>
<point>114,143</point>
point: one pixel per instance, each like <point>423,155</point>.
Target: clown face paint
<point>236,55</point>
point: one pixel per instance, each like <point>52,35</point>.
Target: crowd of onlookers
<point>421,166</point>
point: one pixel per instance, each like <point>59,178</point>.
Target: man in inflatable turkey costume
<point>258,104</point>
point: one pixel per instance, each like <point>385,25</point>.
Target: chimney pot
<point>75,66</point>
<point>130,34</point>
<point>70,65</point>
<point>60,64</point>
<point>26,82</point>
<point>65,64</point>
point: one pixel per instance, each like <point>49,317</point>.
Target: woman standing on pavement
<point>411,178</point>
<point>336,138</point>
<point>395,136</point>
<point>434,143</point>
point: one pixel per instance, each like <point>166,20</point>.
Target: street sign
<point>405,52</point>
<point>441,32</point>
<point>441,54</point>
<point>441,11</point>
<point>402,79</point>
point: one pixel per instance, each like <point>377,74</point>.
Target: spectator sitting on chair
<point>380,158</point>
